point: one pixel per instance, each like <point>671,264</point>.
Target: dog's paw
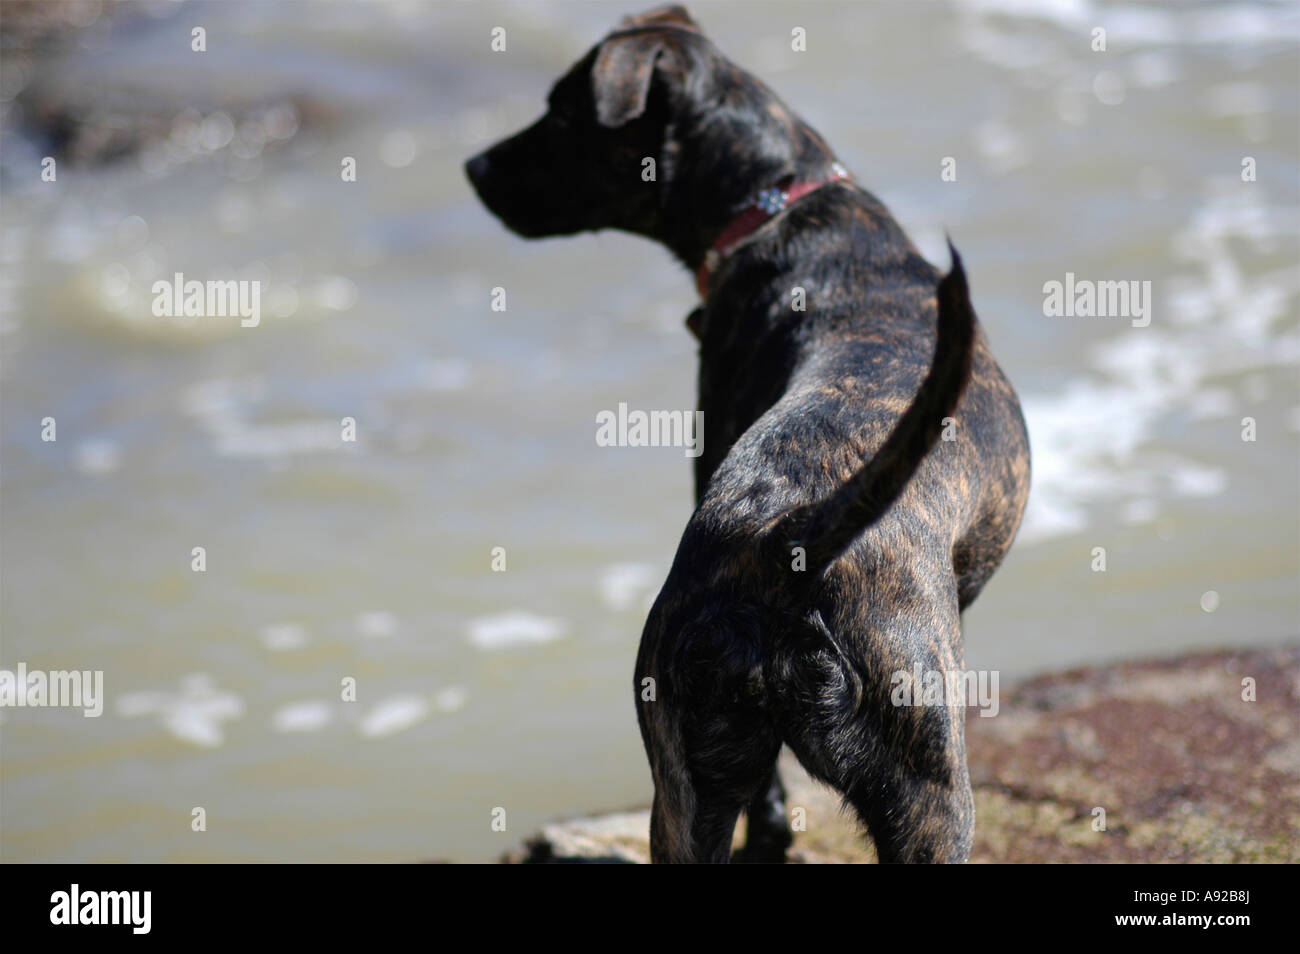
<point>767,849</point>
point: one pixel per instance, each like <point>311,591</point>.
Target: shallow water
<point>372,560</point>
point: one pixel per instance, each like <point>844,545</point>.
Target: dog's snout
<point>476,167</point>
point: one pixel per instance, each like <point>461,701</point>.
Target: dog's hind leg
<point>908,783</point>
<point>703,838</point>
<point>917,801</point>
<point>768,834</point>
<point>919,806</point>
<point>858,719</point>
<point>703,778</point>
<point>695,812</point>
<point>917,819</point>
<point>712,753</point>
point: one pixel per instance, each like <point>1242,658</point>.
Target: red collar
<point>769,204</point>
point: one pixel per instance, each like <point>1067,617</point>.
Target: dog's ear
<point>674,15</point>
<point>620,78</point>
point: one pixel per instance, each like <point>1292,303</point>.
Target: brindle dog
<point>836,539</point>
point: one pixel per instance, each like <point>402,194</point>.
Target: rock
<point>65,103</point>
<point>1184,768</point>
<point>618,838</point>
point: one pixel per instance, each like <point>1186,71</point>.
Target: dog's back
<point>798,398</point>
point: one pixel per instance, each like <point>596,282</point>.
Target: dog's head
<point>653,132</point>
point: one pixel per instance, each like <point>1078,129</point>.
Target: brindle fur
<point>821,432</point>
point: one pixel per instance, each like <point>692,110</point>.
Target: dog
<point>865,462</point>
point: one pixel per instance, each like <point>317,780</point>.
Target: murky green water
<point>372,560</point>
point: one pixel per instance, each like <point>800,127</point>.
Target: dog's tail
<point>826,527</point>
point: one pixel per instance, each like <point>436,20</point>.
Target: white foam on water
<point>194,713</point>
<point>393,715</point>
<point>70,241</point>
<point>515,628</point>
<point>1211,404</point>
<point>283,637</point>
<point>223,409</point>
<point>1065,13</point>
<point>98,457</point>
<point>1240,23</point>
<point>451,699</point>
<point>1089,440</point>
<point>398,149</point>
<point>1141,510</point>
<point>1152,69</point>
<point>335,292</point>
<point>622,583</point>
<point>1238,99</point>
<point>279,440</point>
<point>1049,44</point>
<point>307,716</point>
<point>1001,147</point>
<point>132,704</point>
<point>446,374</point>
<point>376,624</point>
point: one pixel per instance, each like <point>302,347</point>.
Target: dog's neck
<point>767,205</point>
<point>749,284</point>
<point>709,183</point>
